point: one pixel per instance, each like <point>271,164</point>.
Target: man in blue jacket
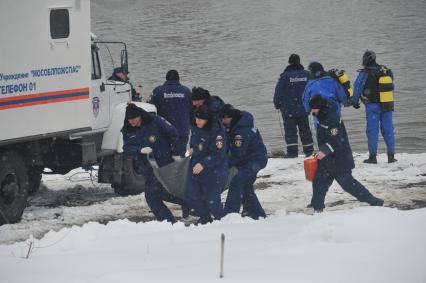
<point>323,84</point>
<point>378,113</point>
<point>335,161</point>
<point>144,133</point>
<point>208,166</point>
<point>288,99</point>
<point>202,97</point>
<point>173,102</point>
<point>248,154</point>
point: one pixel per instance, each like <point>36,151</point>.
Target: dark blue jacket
<point>209,147</point>
<point>173,102</point>
<point>289,91</point>
<point>327,87</point>
<point>156,133</point>
<point>333,142</point>
<point>213,103</point>
<point>245,142</point>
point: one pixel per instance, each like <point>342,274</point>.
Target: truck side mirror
<point>124,60</point>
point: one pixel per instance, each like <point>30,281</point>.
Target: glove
<point>146,150</point>
<point>189,152</point>
<point>320,155</point>
<point>197,169</point>
<point>347,103</point>
<point>356,106</point>
<point>176,157</point>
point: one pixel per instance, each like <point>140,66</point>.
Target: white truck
<point>58,110</point>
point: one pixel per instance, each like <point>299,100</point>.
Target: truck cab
<point>58,110</point>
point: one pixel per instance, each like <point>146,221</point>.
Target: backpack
<point>380,84</point>
<point>385,81</point>
<point>343,79</point>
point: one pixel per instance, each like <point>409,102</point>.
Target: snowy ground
<point>350,242</point>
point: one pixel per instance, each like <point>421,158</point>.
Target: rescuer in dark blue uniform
<point>144,133</point>
<point>173,102</point>
<point>335,161</point>
<point>202,97</point>
<point>248,153</point>
<point>208,166</point>
<point>288,99</point>
<point>326,86</point>
<point>121,75</point>
<point>378,108</point>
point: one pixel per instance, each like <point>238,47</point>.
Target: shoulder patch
<point>219,142</point>
<point>238,141</point>
<point>334,131</point>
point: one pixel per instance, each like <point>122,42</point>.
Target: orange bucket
<point>310,166</point>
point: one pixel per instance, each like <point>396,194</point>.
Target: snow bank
<point>349,242</point>
<point>366,244</point>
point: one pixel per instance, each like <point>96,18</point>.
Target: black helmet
<point>368,58</point>
<point>172,75</point>
<point>316,69</point>
<point>294,59</point>
<point>317,102</point>
<point>199,93</point>
<point>132,111</point>
<point>228,111</point>
<point>203,113</point>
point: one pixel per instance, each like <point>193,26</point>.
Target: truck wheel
<point>132,183</point>
<point>13,187</point>
<point>34,179</point>
<point>126,190</point>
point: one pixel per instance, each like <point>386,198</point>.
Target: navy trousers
<point>291,124</point>
<point>323,180</point>
<point>241,191</point>
<point>203,196</point>
<point>155,194</point>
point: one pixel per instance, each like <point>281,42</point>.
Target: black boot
<point>290,155</point>
<point>391,158</point>
<point>186,211</point>
<point>372,159</point>
<point>376,202</point>
<point>309,153</point>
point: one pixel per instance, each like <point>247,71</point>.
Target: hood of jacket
<point>294,67</point>
<point>244,121</point>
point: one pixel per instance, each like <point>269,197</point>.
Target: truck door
<point>100,98</point>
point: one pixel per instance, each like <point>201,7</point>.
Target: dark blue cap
<point>120,70</point>
<point>317,102</point>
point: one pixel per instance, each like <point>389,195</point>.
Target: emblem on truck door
<point>95,106</point>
